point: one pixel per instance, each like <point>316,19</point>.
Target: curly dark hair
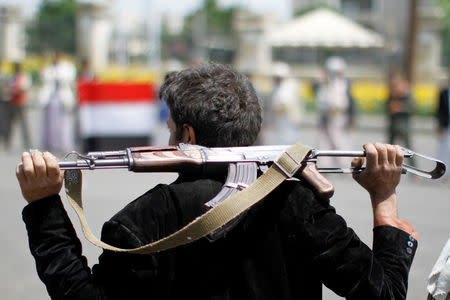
<point>217,101</point>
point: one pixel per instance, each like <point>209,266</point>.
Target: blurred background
<point>84,75</point>
<point>137,42</point>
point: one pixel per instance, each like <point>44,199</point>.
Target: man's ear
<point>188,135</point>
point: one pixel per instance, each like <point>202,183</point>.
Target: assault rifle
<point>243,164</point>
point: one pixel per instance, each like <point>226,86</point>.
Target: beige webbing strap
<point>288,163</point>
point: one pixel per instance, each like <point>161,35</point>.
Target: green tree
<point>304,11</point>
<point>209,22</point>
<point>53,27</point>
<point>218,20</point>
<point>445,5</point>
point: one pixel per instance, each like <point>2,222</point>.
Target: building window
<point>356,5</point>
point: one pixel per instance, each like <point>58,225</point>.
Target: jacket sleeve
<point>57,251</point>
<point>63,269</point>
<point>342,261</point>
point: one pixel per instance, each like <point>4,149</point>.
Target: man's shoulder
<point>166,199</point>
<point>195,186</point>
<point>152,200</point>
<point>161,210</point>
<point>189,195</point>
<point>296,197</point>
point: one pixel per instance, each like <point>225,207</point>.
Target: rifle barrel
<point>84,164</point>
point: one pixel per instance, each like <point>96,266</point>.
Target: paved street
<point>423,202</point>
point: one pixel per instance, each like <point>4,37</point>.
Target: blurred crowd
<point>56,95</point>
<point>336,111</point>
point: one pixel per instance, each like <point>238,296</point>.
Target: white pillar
<point>12,39</point>
<point>429,43</point>
<point>253,51</point>
<point>93,34</point>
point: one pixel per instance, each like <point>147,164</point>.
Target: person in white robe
<point>58,99</point>
<point>335,110</point>
<point>286,107</point>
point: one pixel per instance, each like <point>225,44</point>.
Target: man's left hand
<point>39,175</point>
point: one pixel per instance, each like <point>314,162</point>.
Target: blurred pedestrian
<point>442,115</point>
<point>18,87</point>
<point>3,104</point>
<point>58,99</point>
<point>173,66</point>
<point>85,74</point>
<point>163,109</point>
<point>400,108</point>
<point>251,76</point>
<point>285,107</point>
<point>161,134</point>
<point>336,109</point>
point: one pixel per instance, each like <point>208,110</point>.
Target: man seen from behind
<point>285,247</point>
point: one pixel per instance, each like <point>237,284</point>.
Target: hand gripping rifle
<point>244,165</point>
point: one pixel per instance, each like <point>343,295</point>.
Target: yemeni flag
<point>116,115</point>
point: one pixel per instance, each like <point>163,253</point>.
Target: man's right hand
<point>383,169</point>
<point>381,176</point>
<point>39,175</point>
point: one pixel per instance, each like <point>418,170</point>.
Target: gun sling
<point>285,167</point>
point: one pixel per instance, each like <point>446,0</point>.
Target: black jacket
<point>442,113</point>
<point>284,248</point>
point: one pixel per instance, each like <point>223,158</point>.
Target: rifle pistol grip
<point>323,187</point>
